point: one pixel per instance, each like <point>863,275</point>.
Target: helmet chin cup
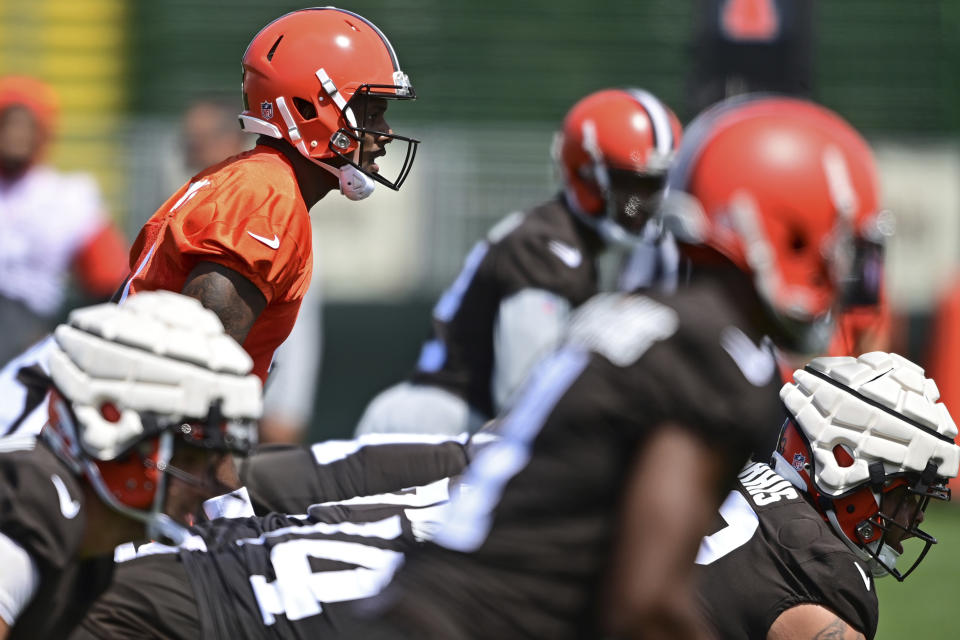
<point>355,185</point>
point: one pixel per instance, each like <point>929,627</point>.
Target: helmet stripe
<point>662,131</point>
<point>882,407</point>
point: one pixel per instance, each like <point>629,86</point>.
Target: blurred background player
<point>237,237</point>
<point>864,450</point>
<point>209,135</point>
<point>53,225</point>
<point>584,519</point>
<point>510,302</point>
<point>146,400</point>
<point>749,46</point>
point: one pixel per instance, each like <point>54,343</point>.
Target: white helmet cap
<point>880,408</point>
<point>860,428</point>
<point>137,372</point>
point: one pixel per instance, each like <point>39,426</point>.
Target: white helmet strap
<point>331,90</point>
<point>292,129</point>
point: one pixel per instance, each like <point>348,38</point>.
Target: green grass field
<point>923,605</point>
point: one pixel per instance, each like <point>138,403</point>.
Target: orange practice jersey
<point>246,214</point>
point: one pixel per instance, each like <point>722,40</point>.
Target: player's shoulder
<point>26,455</point>
<point>41,501</point>
<point>541,248</point>
<point>73,182</point>
<point>831,574</point>
<point>622,327</point>
<point>714,332</point>
<point>78,199</point>
<point>680,364</point>
<point>256,183</point>
<point>535,227</point>
<point>807,546</point>
<point>688,324</point>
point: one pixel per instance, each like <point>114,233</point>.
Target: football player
<point>146,400</point>
<point>584,519</point>
<point>282,576</point>
<point>508,305</point>
<point>865,448</point>
<point>54,224</point>
<point>316,85</point>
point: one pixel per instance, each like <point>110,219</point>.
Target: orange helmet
<point>780,187</point>
<point>300,73</point>
<point>611,134</point>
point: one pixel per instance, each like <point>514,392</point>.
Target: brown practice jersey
<point>545,248</point>
<point>275,576</point>
<point>288,479</point>
<point>771,551</point>
<point>522,551</point>
<point>41,509</point>
<point>281,576</point>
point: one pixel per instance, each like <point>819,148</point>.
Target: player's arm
<point>811,622</point>
<point>235,300</point>
<point>289,479</point>
<point>19,581</point>
<point>670,498</point>
<point>101,263</point>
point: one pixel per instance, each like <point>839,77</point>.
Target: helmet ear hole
<point>305,108</point>
<point>110,412</point>
<point>842,455</point>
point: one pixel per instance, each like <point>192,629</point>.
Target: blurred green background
<point>922,605</point>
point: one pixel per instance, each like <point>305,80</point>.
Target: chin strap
<point>876,561</point>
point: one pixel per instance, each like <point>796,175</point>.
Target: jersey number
<point>741,521</point>
<point>298,591</point>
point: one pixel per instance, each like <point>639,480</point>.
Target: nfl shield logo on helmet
<point>798,461</point>
<point>266,109</point>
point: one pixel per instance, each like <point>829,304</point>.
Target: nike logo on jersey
<point>863,574</point>
<point>273,244</point>
<point>756,363</point>
<point>68,506</point>
<point>570,256</point>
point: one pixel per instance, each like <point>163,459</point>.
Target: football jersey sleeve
<point>840,583</point>
<point>40,503</point>
<point>18,580</point>
<point>532,259</point>
<point>270,250</point>
<point>672,364</point>
<point>718,379</point>
<point>289,479</point>
<point>149,598</point>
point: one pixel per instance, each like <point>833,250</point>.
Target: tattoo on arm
<point>235,300</point>
<point>837,630</point>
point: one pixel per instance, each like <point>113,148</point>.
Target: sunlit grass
<point>927,604</point>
